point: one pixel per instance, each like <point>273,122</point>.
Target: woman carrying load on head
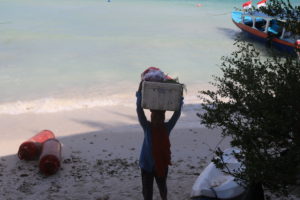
<point>155,155</point>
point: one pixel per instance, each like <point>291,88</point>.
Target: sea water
<point>70,54</point>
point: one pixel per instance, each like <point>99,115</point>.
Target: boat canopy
<point>264,23</point>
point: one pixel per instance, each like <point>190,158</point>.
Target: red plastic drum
<point>50,157</point>
<point>31,149</point>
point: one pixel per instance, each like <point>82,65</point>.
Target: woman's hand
<point>140,86</point>
<point>181,101</point>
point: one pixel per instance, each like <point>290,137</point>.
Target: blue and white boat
<point>266,29</point>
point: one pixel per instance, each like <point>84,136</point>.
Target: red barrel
<point>50,157</point>
<point>31,149</point>
<point>297,44</point>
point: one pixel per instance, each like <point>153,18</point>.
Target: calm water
<point>68,54</point>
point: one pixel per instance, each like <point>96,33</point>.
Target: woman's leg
<point>147,181</point>
<point>162,185</point>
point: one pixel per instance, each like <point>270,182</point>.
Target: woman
<point>155,155</point>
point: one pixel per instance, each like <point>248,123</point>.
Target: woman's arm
<point>172,122</point>
<point>140,111</point>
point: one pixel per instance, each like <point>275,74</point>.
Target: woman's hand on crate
<point>140,86</point>
<point>181,101</point>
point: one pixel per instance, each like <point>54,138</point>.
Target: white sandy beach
<point>101,147</point>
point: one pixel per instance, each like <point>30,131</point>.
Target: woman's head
<point>157,117</point>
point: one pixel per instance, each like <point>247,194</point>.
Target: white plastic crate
<point>161,96</point>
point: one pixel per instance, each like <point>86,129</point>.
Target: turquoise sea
<point>70,54</point>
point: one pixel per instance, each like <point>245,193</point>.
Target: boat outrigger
<point>266,29</point>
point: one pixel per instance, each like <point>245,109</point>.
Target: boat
<point>267,29</point>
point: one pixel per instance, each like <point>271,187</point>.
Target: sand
<point>101,147</point>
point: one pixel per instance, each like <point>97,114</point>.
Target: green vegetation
<point>283,9</point>
<point>257,103</point>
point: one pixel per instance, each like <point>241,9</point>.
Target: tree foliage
<point>286,11</point>
<point>257,103</point>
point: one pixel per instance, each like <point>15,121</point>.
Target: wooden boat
<point>266,29</point>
